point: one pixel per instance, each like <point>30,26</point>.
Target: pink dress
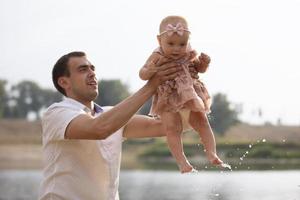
<point>183,92</point>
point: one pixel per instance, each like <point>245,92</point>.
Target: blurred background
<point>254,47</point>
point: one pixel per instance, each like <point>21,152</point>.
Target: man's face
<point>82,84</point>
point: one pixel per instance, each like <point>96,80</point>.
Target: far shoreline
<point>29,157</point>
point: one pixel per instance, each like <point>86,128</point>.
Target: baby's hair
<point>173,19</point>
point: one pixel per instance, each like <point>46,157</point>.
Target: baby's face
<point>174,46</point>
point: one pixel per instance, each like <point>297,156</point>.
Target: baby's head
<point>173,36</point>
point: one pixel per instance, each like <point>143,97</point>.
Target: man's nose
<point>92,72</point>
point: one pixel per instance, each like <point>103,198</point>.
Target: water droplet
<point>264,140</point>
<point>250,146</point>
<point>217,195</point>
<point>246,152</point>
<point>225,165</point>
<point>241,158</point>
<point>283,140</point>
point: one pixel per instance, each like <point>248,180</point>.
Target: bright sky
<point>254,45</point>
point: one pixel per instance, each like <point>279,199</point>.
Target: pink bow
<point>178,28</point>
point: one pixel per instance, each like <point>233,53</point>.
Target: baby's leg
<point>200,123</point>
<point>173,126</point>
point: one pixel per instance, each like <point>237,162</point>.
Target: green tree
<point>111,92</point>
<point>24,99</point>
<point>48,97</point>
<point>27,97</point>
<point>222,115</point>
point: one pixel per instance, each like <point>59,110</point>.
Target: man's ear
<point>63,82</point>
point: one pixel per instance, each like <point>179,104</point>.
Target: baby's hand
<point>203,63</point>
<point>204,59</point>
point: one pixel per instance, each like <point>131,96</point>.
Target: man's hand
<point>166,70</point>
<point>151,65</point>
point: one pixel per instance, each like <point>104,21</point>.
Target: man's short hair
<point>61,68</point>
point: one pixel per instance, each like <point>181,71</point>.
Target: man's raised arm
<point>87,127</point>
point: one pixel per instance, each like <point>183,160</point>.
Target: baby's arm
<point>149,69</point>
<point>201,63</point>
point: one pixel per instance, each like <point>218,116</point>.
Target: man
<point>82,141</point>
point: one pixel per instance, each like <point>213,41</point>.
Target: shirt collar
<point>97,108</point>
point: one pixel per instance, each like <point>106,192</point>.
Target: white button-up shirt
<point>78,169</point>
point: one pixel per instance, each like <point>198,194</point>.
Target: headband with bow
<point>178,28</point>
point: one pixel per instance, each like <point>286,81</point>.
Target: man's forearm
<point>141,126</point>
<point>112,120</point>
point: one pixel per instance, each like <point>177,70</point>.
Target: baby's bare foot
<point>219,163</point>
<point>185,167</point>
<point>216,161</point>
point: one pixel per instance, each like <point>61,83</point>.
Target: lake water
<point>165,185</point>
